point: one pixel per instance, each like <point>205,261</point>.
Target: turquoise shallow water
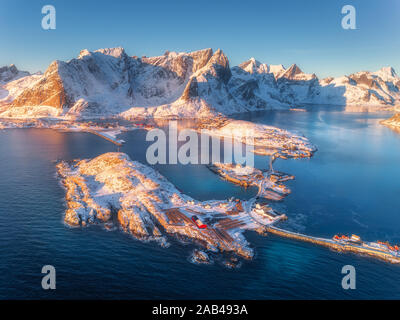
<point>351,185</point>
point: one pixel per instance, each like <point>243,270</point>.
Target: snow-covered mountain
<point>363,88</point>
<point>108,82</point>
<point>267,84</point>
<point>12,83</point>
<point>10,73</point>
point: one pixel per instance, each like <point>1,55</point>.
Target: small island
<point>113,190</point>
<point>269,183</point>
<point>266,140</point>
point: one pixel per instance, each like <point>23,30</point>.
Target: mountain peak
<point>254,66</point>
<point>83,53</point>
<point>254,61</point>
<point>386,74</point>
<point>388,71</point>
<point>294,68</point>
<point>11,68</point>
<point>295,73</point>
<point>10,73</point>
<point>292,72</point>
<point>250,65</point>
<point>117,52</point>
<point>218,65</point>
<point>220,58</point>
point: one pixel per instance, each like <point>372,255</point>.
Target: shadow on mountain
<point>259,91</point>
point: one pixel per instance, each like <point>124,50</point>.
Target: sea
<point>351,186</point>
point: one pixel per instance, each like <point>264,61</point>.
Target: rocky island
<point>113,190</point>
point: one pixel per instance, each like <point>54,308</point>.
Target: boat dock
<point>335,245</point>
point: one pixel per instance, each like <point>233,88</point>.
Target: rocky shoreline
<point>393,122</point>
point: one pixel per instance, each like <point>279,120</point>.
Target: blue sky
<point>306,32</point>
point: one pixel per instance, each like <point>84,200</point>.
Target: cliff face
<point>48,91</point>
<point>12,83</point>
<point>108,82</point>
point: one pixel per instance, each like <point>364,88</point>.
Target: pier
<point>341,247</point>
<point>107,137</point>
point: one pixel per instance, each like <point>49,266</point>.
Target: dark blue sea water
<point>351,185</point>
